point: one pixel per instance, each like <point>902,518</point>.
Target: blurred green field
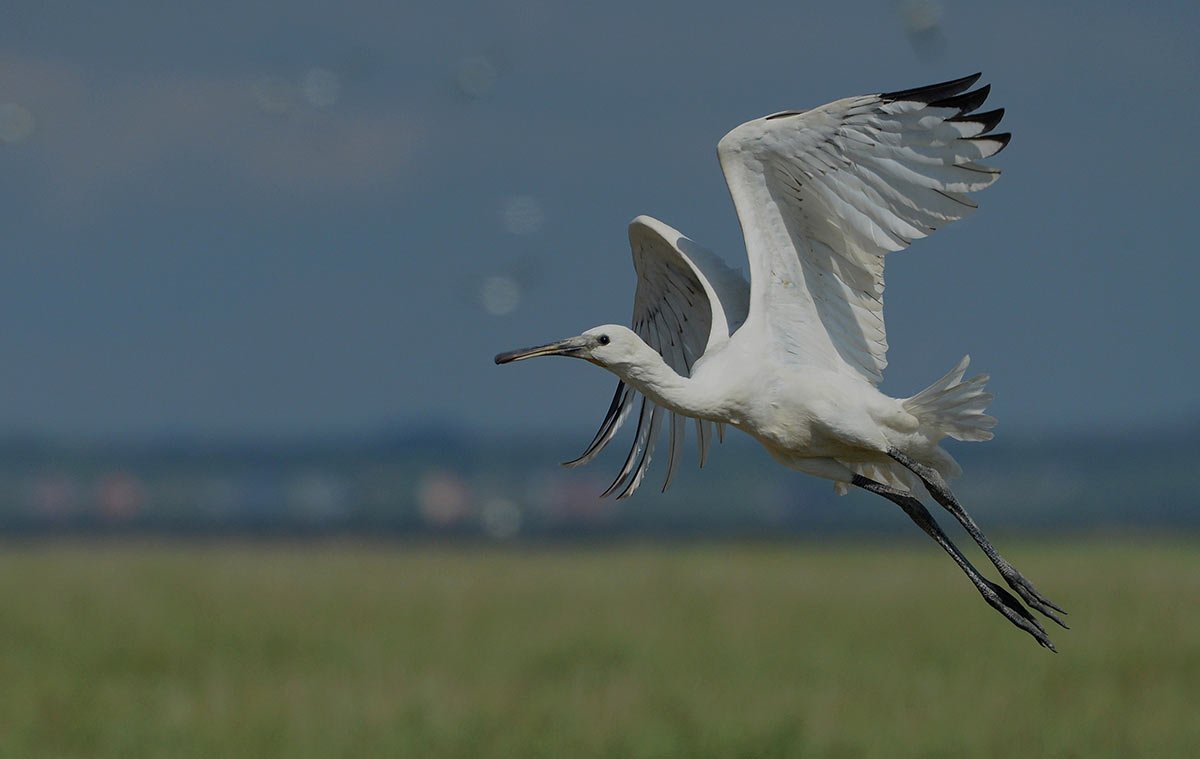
<point>872,649</point>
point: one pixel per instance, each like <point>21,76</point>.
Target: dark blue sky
<point>294,219</point>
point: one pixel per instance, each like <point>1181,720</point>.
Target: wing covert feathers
<point>824,194</point>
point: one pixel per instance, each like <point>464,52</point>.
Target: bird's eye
<point>603,340</point>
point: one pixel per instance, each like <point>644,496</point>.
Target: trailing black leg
<point>997,597</point>
<point>941,493</point>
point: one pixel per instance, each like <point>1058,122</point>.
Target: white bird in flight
<point>792,357</point>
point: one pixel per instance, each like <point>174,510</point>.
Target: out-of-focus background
<point>262,491</point>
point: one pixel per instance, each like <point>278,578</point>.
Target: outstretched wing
<point>822,195</point>
<point>687,303</point>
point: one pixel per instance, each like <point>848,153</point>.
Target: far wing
<point>687,303</point>
<point>822,195</point>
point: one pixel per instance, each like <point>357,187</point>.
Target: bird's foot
<point>1030,594</point>
<point>1007,604</point>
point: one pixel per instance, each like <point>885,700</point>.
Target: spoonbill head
<point>609,345</point>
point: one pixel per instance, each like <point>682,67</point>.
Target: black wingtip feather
<point>1001,138</point>
<point>614,412</point>
<point>987,120</point>
<point>932,92</point>
<point>966,102</point>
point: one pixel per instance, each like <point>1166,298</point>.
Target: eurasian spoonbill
<point>792,357</point>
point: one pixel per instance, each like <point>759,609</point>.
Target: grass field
<point>720,650</point>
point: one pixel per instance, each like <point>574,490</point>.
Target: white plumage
<point>792,357</point>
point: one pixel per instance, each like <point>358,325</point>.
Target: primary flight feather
<point>792,357</point>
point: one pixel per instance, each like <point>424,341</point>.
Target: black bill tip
<point>569,347</point>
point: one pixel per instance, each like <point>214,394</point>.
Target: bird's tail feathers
<point>953,407</point>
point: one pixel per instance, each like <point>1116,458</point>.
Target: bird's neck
<point>652,377</point>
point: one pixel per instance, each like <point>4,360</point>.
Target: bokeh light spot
<point>16,123</point>
<point>500,295</point>
<point>523,215</point>
<point>475,76</point>
<point>923,23</point>
<point>443,499</point>
<point>316,496</point>
<point>920,15</point>
<point>120,496</point>
<point>321,87</point>
<point>501,518</point>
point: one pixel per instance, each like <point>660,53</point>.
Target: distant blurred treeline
<point>428,483</point>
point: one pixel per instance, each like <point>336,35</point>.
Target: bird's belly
<point>789,439</point>
<point>812,416</point>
